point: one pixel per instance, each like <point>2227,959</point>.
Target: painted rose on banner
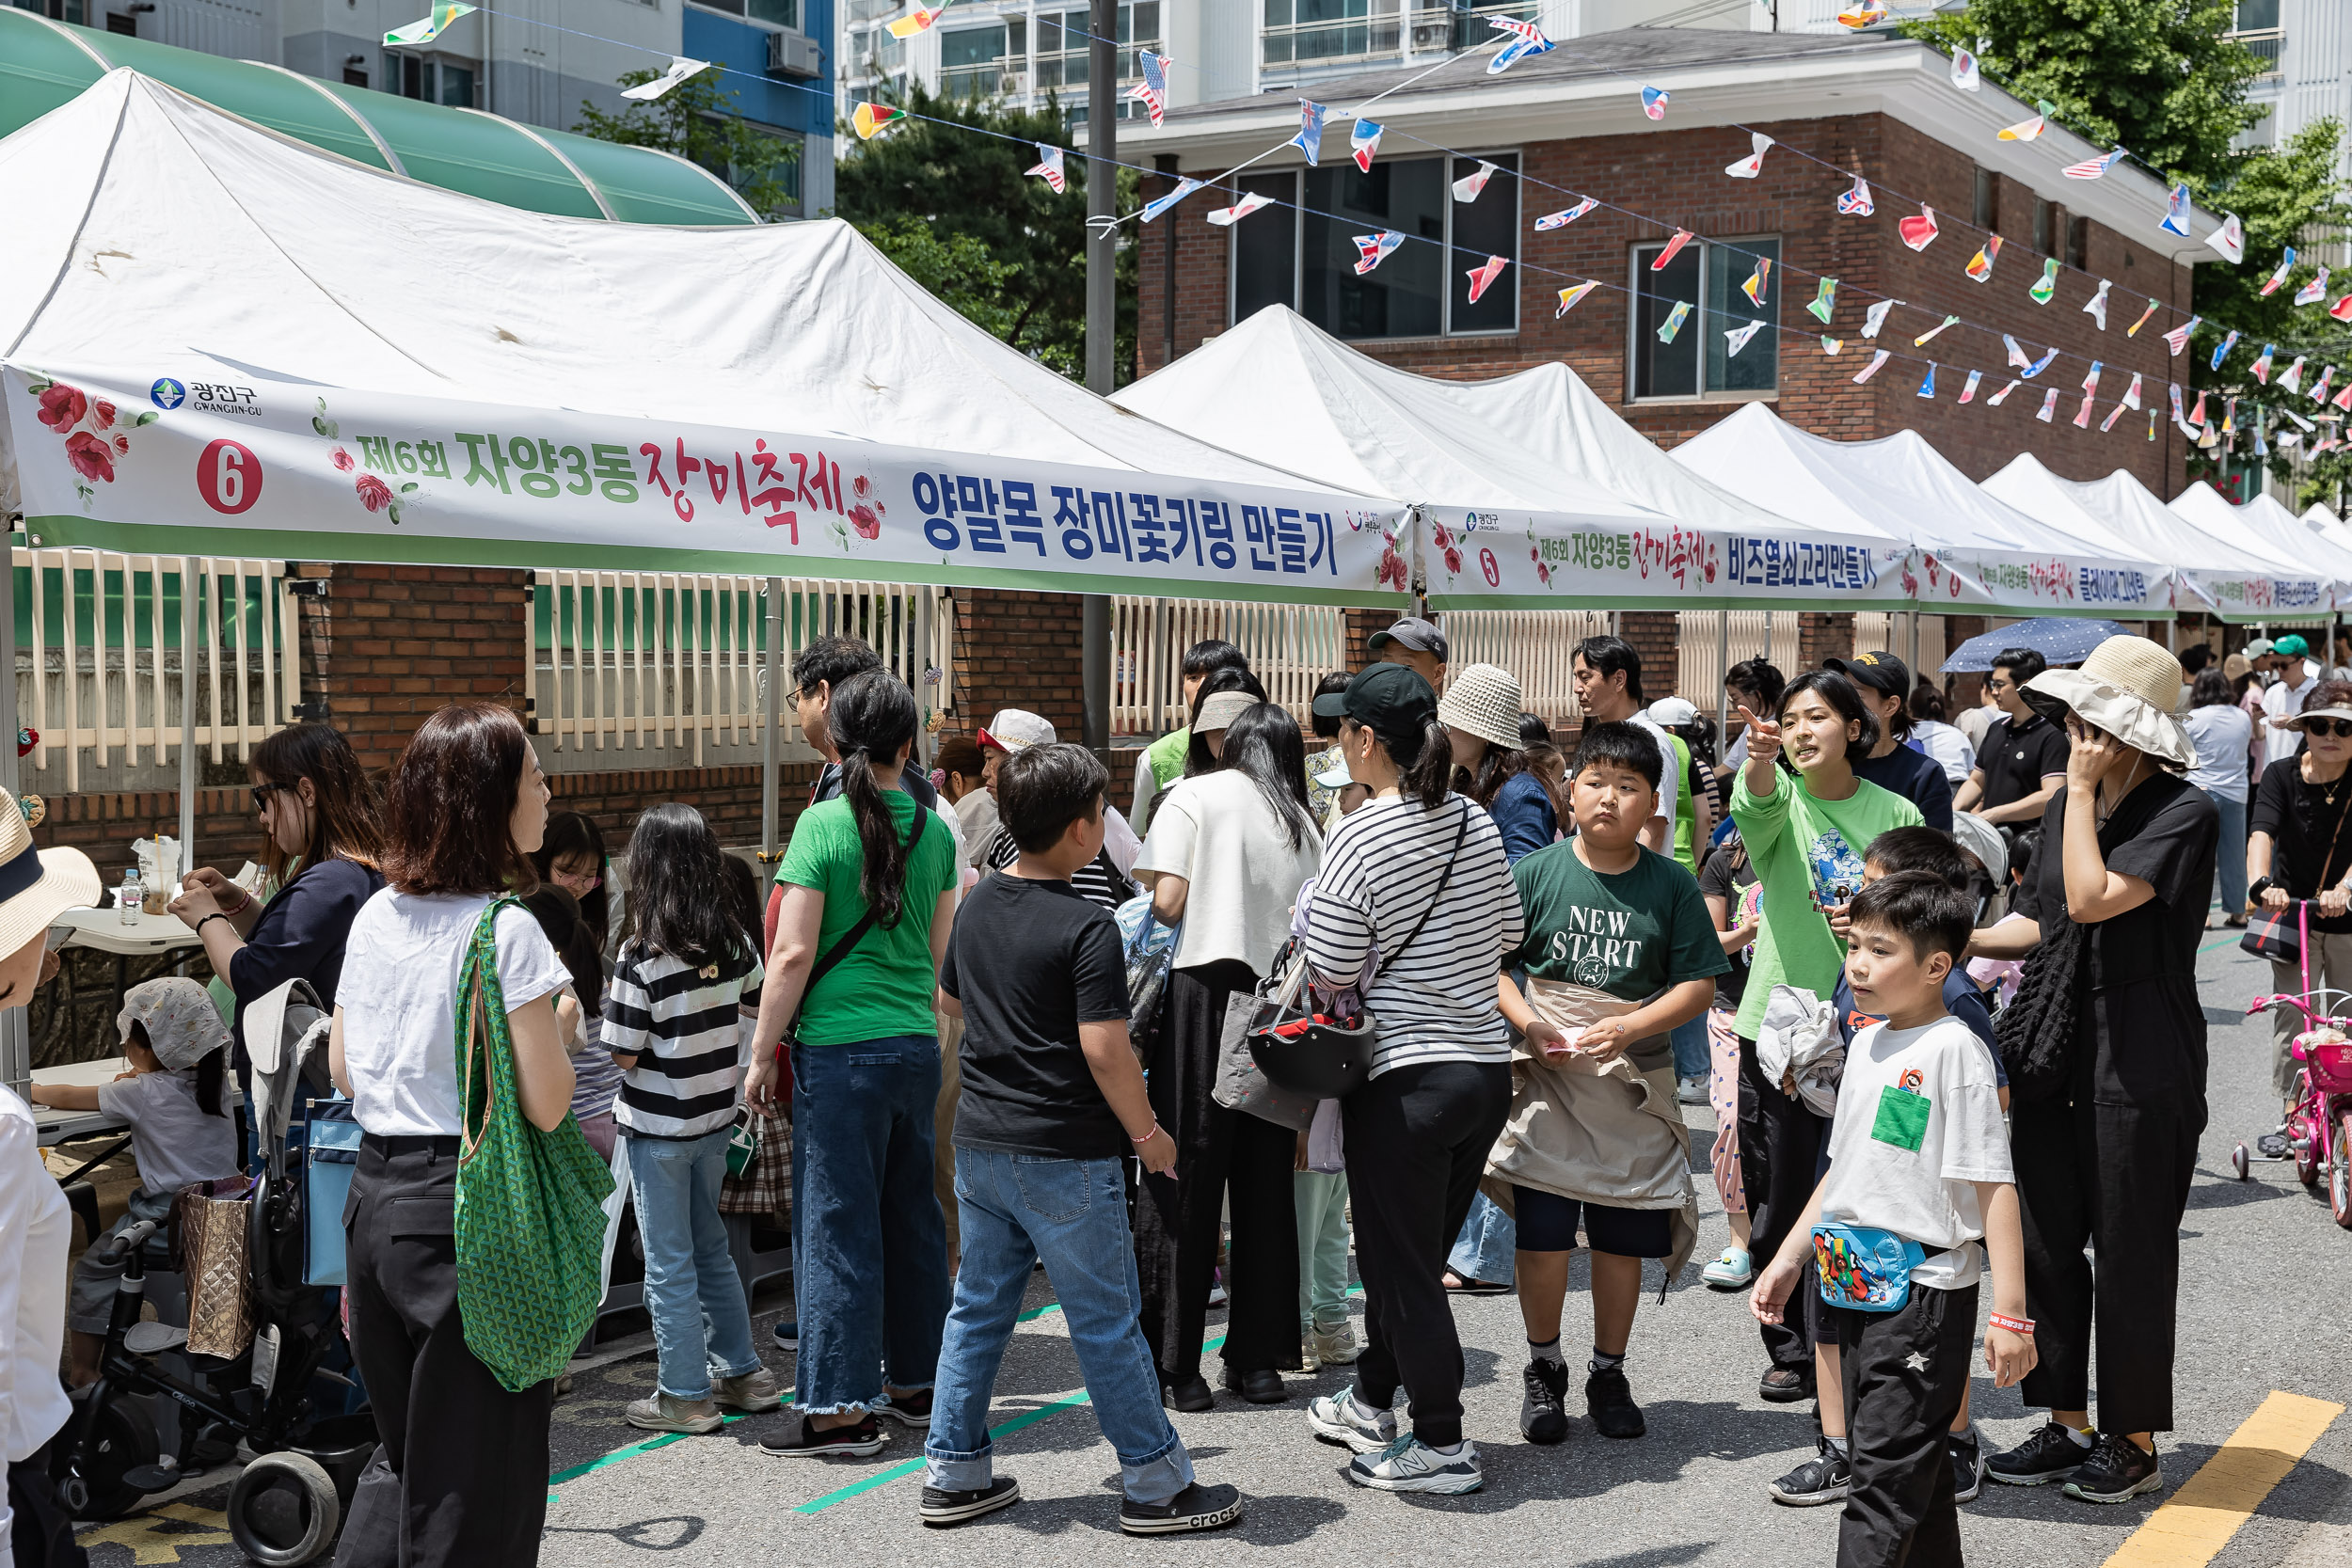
<point>375,493</point>
<point>84,422</point>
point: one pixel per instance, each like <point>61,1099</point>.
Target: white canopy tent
<point>1976,549</point>
<point>2264,524</point>
<point>1583,509</point>
<point>2238,581</point>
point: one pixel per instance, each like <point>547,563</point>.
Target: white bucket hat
<point>2127,687</point>
<point>1016,729</point>
<point>36,886</point>
<point>1984,841</point>
<point>182,1025</point>
<point>1484,700</point>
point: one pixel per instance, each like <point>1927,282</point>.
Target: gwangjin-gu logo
<point>167,393</point>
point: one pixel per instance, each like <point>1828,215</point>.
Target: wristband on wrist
<point>1147,1137</point>
<point>2023,1327</point>
<point>208,920</point>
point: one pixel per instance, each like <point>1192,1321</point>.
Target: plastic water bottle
<point>129,898</point>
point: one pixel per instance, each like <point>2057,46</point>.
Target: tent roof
<point>2271,527</point>
<point>45,63</point>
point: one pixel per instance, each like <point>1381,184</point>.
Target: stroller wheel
<point>2239,1161</point>
<point>124,1440</point>
<point>283,1511</point>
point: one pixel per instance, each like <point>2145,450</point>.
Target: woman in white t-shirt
<point>462,1473</point>
<point>1226,856</point>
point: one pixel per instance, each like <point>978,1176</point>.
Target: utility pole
<point>1102,328</point>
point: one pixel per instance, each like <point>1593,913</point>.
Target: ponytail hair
<point>1427,774</point>
<point>872,717</point>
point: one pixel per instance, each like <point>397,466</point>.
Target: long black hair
<point>1263,743</point>
<point>570,836</point>
<point>1496,767</point>
<point>676,877</point>
<point>1844,699</point>
<point>566,921</point>
<point>1424,769</point>
<point>1228,677</point>
<point>873,718</point>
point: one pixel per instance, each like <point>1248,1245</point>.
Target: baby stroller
<point>284,1508</point>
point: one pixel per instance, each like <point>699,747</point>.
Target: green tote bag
<point>530,1204</point>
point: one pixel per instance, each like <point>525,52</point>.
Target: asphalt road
<point>2267,1304</point>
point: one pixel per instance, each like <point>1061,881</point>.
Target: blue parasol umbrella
<point>2058,638</point>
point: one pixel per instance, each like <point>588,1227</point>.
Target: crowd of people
<point>1899,948</point>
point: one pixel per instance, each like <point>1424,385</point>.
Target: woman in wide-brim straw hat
<point>35,1228</point>
<point>2106,1044</point>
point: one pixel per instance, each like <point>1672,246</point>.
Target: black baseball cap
<point>1412,632</point>
<point>1392,700</point>
<point>1881,670</point>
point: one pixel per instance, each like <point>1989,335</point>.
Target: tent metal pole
<point>16,1046</point>
<point>189,773</point>
<point>1094,635</point>
<point>1722,687</point>
<point>769,740</point>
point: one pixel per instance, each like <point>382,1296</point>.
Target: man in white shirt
<point>1608,675</point>
<point>2297,674</point>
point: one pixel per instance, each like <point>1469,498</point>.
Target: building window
<point>776,13</point>
<point>1326,32</point>
<point>784,171</point>
<point>1062,41</point>
<point>2078,244</point>
<point>1304,254</point>
<point>355,76</point>
<point>972,62</point>
<point>1707,276</point>
<point>1988,206</point>
<point>2044,225</point>
<point>122,22</point>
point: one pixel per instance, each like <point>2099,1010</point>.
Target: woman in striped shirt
<point>1415,889</point>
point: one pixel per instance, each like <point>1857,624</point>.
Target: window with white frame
<point>1303,253</point>
<point>1711,278</point>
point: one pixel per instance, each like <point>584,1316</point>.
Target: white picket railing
<point>1536,645</point>
<point>1290,649</point>
<point>109,648</point>
<point>634,660</point>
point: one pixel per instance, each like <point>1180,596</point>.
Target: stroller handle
<point>128,1241</point>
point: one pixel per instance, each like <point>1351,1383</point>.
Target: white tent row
<point>2263,525</point>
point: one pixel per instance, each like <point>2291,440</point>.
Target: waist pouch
<point>1864,1269</point>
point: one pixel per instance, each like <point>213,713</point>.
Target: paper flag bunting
<point>1969,393</point>
<point>918,21</point>
<point>870,118</point>
<point>2221,350</point>
<point>1867,372</point>
<point>1753,164</point>
<point>2319,393</point>
<point>1467,187</point>
<point>1480,277</point>
<point>1310,137</point>
<point>1965,76</point>
<point>1824,300</point>
<point>2176,402</point>
<point>1758,281</point>
<point>2176,212</point>
<point>2040,365</point>
<point>1918,232</point>
<point>1875,317</point>
<point>2113,414</point>
<point>2343,397</point>
<point>1049,168</point>
<point>1921,340</point>
<point>2096,307</point>
<point>2090,380</point>
<point>1926,388</point>
<point>1565,217</point>
<point>2286,265</point>
<point>1363,141</point>
<point>2314,291</point>
<point>2177,339</point>
<point>429,28</point>
<point>1526,39</point>
<point>2292,377</point>
<point>1737,339</point>
<point>1372,249</point>
<point>1152,89</point>
<point>1830,344</point>
<point>2092,168</point>
<point>2341,309</point>
<point>2229,239</point>
<point>2049,405</point>
<point>1569,297</point>
<point>2133,330</point>
<point>1863,14</point>
<point>2027,129</point>
<point>2197,415</point>
<point>1681,238</point>
<point>2262,363</point>
<point>1225,217</point>
<point>2131,394</point>
<point>1185,187</point>
<point>680,68</point>
<point>2041,292</point>
<point>1654,101</point>
<point>2152,424</point>
<point>2017,356</point>
<point>2261,448</point>
<point>1856,202</point>
<point>2228,417</point>
<point>2298,419</point>
<point>2012,385</point>
<point>1675,318</point>
<point>1981,266</point>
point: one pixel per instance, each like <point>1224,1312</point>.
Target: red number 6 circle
<point>229,476</point>
<point>1493,568</point>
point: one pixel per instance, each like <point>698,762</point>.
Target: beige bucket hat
<point>1484,700</point>
<point>36,886</point>
<point>2127,687</point>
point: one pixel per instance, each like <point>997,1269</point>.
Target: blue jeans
<point>1693,1055</point>
<point>2228,861</point>
<point>869,1241</point>
<point>1486,1248</point>
<point>693,1292</point>
<point>1016,1209</point>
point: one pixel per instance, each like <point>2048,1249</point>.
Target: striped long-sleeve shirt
<point>1436,1000</point>
<point>684,1027</point>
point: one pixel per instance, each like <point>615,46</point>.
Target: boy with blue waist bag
<point>1919,1168</point>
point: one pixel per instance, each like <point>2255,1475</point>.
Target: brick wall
<point>1822,637</point>
<point>1016,648</point>
<point>389,644</point>
<point>1653,634</point>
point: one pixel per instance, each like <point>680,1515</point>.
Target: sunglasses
<point>2329,726</point>
<point>262,793</point>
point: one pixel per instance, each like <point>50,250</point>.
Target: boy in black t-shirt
<point>1052,1105</point>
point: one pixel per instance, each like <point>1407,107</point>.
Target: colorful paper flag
<point>2228,417</point>
<point>1965,76</point>
<point>2286,265</point>
<point>2017,356</point>
<point>867,119</point>
<point>2041,292</point>
<point>428,28</point>
<point>1681,238</point>
<point>1995,399</point>
<point>1753,164</point>
<point>1830,344</point>
<point>1565,217</point>
<point>2131,394</point>
<point>2229,239</point>
<point>1758,281</point>
<point>2221,350</point>
<point>2314,291</point>
<point>1968,393</point>
<point>1824,300</point>
<point>2197,415</point>
<point>1225,217</point>
<point>680,68</point>
<point>1867,372</point>
<point>2176,212</point>
<point>1856,203</point>
<point>1467,187</point>
<point>1654,101</point>
<point>2109,423</point>
<point>1049,168</point>
<point>2341,309</point>
<point>2292,377</point>
<point>2049,405</point>
<point>1372,249</point>
<point>2133,330</point>
<point>1918,232</point>
<point>1863,14</point>
<point>2262,363</point>
<point>1875,317</point>
<point>2319,393</point>
<point>1675,318</point>
<point>2027,129</point>
<point>2092,168</point>
<point>1363,141</point>
<point>1921,340</point>
<point>1737,339</point>
<point>1152,89</point>
<point>1981,266</point>
<point>1526,39</point>
<point>2177,339</point>
<point>1480,277</point>
<point>1569,297</point>
<point>1310,137</point>
<point>1185,187</point>
<point>2040,365</point>
<point>2090,380</point>
<point>2096,307</point>
<point>2343,397</point>
<point>2175,387</point>
<point>2298,419</point>
<point>918,21</point>
<point>1926,388</point>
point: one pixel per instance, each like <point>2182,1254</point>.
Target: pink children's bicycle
<point>2319,1129</point>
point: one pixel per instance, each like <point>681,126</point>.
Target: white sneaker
<point>1334,1347</point>
<point>1409,1465</point>
<point>1732,1270</point>
<point>1692,1090</point>
<point>1338,1419</point>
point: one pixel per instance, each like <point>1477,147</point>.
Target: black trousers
<point>43,1532</point>
<point>1178,1223</point>
<point>1780,1156</point>
<point>461,1478</point>
<point>1421,1136</point>
<point>2117,1176</point>
<point>1904,1373</point>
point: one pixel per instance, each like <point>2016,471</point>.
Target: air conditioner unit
<point>793,54</point>
<point>1432,35</point>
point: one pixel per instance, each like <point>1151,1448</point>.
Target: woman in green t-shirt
<point>869,886</point>
<point>1806,820</point>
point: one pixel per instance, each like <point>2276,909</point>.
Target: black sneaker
<point>859,1441</point>
<point>1544,1413</point>
<point>1968,1468</point>
<point>1608,1399</point>
<point>1196,1507</point>
<point>910,1410</point>
<point>953,1508</point>
<point>1786,1386</point>
<point>1823,1479</point>
<point>2117,1471</point>
<point>2050,1455</point>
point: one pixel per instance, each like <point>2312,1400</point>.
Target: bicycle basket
<point>2328,1056</point>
